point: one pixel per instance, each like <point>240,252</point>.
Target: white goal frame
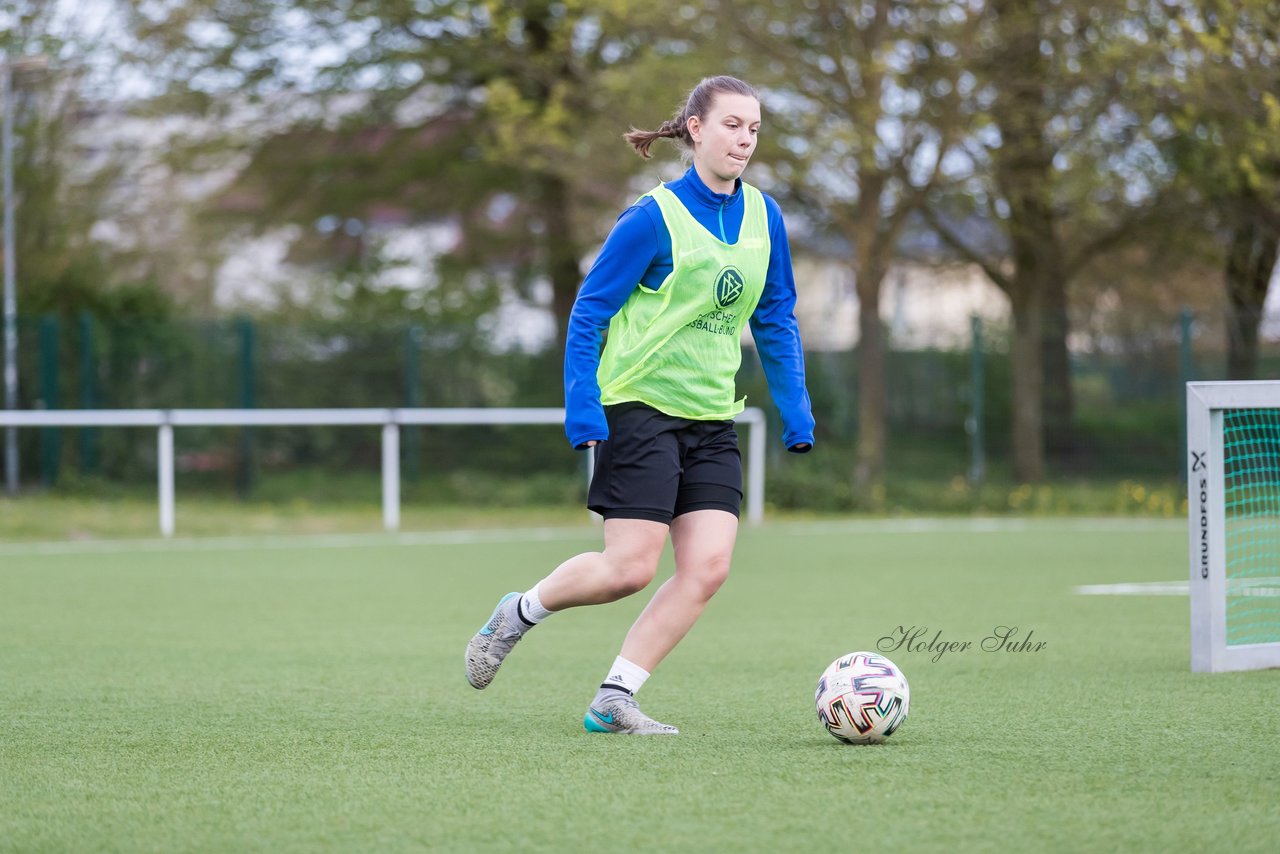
<point>1206,512</point>
<point>390,420</point>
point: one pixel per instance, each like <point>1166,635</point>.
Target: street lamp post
<point>10,291</point>
<point>10,298</point>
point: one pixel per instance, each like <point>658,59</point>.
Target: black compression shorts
<point>656,466</point>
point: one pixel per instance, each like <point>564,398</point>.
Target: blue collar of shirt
<point>691,189</point>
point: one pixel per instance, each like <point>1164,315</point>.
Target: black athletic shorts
<point>655,466</point>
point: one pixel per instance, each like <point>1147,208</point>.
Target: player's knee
<point>710,573</point>
<point>632,574</point>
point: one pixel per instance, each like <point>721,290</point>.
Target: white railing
<point>391,420</point>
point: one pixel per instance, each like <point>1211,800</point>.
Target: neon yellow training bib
<point>678,348</point>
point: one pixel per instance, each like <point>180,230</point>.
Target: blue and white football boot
<point>493,643</point>
<point>615,710</point>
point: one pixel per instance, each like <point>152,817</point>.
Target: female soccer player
<point>677,277</point>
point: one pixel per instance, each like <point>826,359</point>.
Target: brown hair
<point>697,104</point>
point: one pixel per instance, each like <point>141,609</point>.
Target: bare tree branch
<point>952,239</point>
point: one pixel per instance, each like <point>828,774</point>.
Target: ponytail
<point>673,128</point>
<point>697,104</point>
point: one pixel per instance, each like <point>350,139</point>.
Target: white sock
<point>530,607</point>
<point>626,675</point>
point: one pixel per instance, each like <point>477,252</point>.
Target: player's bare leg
<point>632,548</point>
<point>703,541</point>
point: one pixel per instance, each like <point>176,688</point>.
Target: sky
<point>89,23</point>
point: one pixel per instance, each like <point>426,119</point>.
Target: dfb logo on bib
<point>729,286</point>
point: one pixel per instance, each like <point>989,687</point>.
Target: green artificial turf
<point>308,695</point>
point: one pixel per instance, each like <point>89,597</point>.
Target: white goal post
<point>390,420</point>
<point>1233,507</point>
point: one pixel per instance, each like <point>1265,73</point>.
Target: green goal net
<point>1251,502</point>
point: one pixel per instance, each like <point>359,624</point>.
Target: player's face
<point>725,138</point>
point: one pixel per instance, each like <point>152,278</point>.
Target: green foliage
<point>64,184</point>
<point>1222,76</point>
<point>1223,69</point>
<point>928,475</point>
<point>503,119</point>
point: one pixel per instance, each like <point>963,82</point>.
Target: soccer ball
<point>862,698</point>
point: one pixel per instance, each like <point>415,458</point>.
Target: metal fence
<point>391,422</point>
<point>949,410</point>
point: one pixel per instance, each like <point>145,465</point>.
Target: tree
<point>535,95</point>
<point>867,100</point>
<point>58,197</point>
<point>1220,93</point>
<point>1062,163</point>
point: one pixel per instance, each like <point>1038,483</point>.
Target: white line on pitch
<point>300,541</point>
<point>1142,588</point>
<point>977,525</point>
<point>988,525</point>
<point>1260,587</point>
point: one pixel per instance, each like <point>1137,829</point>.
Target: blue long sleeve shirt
<point>638,250</point>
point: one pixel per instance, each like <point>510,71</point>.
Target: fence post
<point>164,474</point>
<point>88,395</point>
<point>977,393</point>
<point>755,469</point>
<point>50,437</point>
<point>1186,366</point>
<point>391,476</point>
<point>248,400</point>
<point>413,336</point>
<point>1186,359</point>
